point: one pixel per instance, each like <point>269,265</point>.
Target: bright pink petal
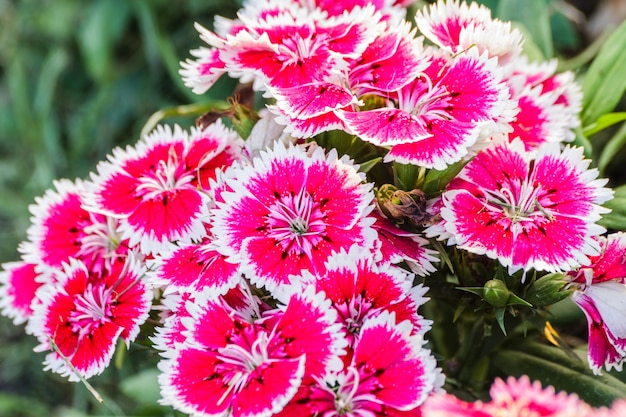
<point>526,211</point>
<point>289,212</point>
<point>310,100</point>
<point>397,245</point>
<point>19,282</point>
<point>201,73</point>
<point>85,314</point>
<point>393,366</point>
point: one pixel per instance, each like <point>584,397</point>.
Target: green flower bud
<point>547,290</point>
<point>496,293</point>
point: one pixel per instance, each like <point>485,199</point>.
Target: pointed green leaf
<point>604,83</point>
<point>611,148</point>
<point>436,181</point>
<point>604,121</point>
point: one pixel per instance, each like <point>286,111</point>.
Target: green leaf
<point>102,27</point>
<point>552,366</point>
<point>604,84</point>
<point>532,15</point>
<point>604,121</point>
<point>436,181</point>
<point>611,148</point>
<point>143,387</point>
<point>616,219</point>
<point>406,176</point>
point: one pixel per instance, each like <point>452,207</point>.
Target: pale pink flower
<point>513,398</point>
<point>157,188</point>
<point>439,117</point>
<point>521,397</point>
<point>232,365</point>
<point>527,210</point>
<point>600,291</point>
<point>289,211</point>
<point>83,314</point>
<point>457,26</point>
<point>19,282</point>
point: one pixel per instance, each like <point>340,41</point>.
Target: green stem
<point>186,110</point>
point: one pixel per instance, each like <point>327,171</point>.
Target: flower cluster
<point>286,278</point>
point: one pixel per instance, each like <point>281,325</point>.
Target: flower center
<point>91,309</point>
<point>296,223</point>
<point>238,362</point>
<point>521,204</point>
<point>167,175</point>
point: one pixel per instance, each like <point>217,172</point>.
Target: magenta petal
<point>386,126</point>
<point>393,366</point>
<point>311,100</point>
<point>307,328</point>
<point>270,387</point>
<point>18,286</point>
<point>193,383</point>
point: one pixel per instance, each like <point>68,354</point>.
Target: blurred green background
<point>78,78</point>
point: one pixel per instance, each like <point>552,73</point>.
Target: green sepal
<point>499,313</point>
<point>436,181</point>
<point>243,119</point>
<point>547,290</point>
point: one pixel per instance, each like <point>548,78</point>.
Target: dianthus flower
<point>62,228</point>
<point>600,288</point>
<point>19,282</point>
<point>82,315</point>
<point>235,365</point>
<point>527,210</point>
<point>158,188</point>
<point>289,211</point>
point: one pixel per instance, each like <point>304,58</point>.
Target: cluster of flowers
<point>279,285</point>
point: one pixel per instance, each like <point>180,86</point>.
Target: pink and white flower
<point>62,228</point>
<point>444,113</point>
<point>230,365</point>
<point>82,315</point>
<point>156,189</point>
<point>290,211</point>
<point>600,291</point>
<point>390,374</point>
<point>19,282</point>
<point>360,290</point>
<point>457,26</point>
<point>526,210</point>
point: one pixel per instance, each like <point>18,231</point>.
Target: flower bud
<point>496,293</point>
<point>547,290</point>
<point>402,205</point>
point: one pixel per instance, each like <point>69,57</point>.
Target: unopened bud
<point>496,293</point>
<point>402,205</point>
